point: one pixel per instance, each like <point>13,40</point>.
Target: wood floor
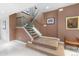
<point>18,48</point>
<point>47,41</point>
<point>58,52</point>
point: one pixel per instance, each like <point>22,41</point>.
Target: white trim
<point>18,41</point>
<point>61,42</point>
<point>19,27</point>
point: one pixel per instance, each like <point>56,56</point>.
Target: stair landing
<point>47,41</point>
<point>58,52</point>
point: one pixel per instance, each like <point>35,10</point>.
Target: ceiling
<point>10,8</point>
<point>51,6</point>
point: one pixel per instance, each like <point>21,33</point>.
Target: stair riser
<point>44,45</point>
<point>31,32</point>
<point>35,37</point>
<point>30,29</point>
<point>49,54</point>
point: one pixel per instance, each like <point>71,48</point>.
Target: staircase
<point>49,45</point>
<point>32,32</point>
<point>59,51</point>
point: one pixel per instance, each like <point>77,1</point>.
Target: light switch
<point>60,9</point>
<point>44,25</point>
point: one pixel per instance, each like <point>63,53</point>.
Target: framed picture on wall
<point>51,21</point>
<point>4,25</point>
<point>72,23</point>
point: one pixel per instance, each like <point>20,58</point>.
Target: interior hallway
<point>18,48</point>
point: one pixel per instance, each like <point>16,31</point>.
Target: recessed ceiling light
<point>61,9</point>
<point>47,7</point>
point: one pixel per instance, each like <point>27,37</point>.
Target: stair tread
<point>46,41</point>
<point>31,32</point>
<point>30,29</point>
<point>36,36</point>
<point>58,52</point>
